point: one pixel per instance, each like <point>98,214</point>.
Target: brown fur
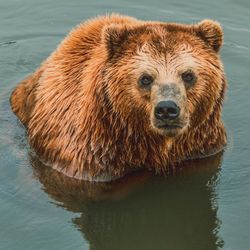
<point>86,116</point>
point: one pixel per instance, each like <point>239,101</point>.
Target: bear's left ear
<point>114,37</point>
<point>211,32</point>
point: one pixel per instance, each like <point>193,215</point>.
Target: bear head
<point>169,77</point>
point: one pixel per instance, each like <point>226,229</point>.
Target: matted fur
<point>87,118</point>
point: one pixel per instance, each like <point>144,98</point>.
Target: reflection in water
<point>143,211</point>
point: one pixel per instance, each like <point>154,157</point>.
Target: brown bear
<point>120,94</point>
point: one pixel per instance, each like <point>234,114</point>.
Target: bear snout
<point>166,111</point>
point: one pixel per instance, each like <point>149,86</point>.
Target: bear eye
<point>146,80</point>
<point>188,77</point>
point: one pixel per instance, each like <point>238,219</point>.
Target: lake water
<point>205,207</point>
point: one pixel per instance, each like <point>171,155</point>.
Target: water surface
<point>203,207</point>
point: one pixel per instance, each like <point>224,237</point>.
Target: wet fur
<point>73,124</point>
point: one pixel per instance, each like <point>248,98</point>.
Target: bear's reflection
<point>141,211</point>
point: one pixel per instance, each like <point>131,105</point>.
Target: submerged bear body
<point>120,94</point>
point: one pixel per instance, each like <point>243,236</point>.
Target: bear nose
<point>167,110</point>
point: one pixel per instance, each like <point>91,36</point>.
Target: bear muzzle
<point>169,115</point>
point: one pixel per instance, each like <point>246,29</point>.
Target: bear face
<point>170,77</point>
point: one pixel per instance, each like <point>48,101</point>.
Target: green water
<point>206,206</point>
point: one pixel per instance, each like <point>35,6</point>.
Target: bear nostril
<point>173,112</point>
<point>167,110</point>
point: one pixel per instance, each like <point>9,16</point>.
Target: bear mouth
<point>170,126</point>
<point>170,129</point>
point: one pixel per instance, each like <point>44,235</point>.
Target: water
<point>203,207</point>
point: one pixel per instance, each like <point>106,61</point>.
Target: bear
<point>121,94</point>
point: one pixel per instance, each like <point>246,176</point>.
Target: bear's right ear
<point>211,32</point>
<point>114,37</point>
